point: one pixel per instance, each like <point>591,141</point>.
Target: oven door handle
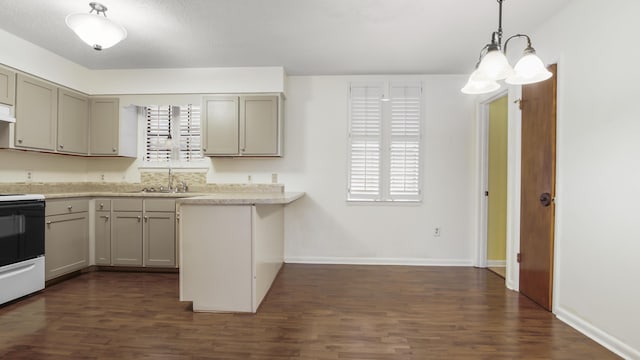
<point>16,271</point>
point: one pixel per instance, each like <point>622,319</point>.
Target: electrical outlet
<point>274,178</point>
<point>249,178</point>
<point>437,231</point>
<point>102,177</point>
<point>29,176</point>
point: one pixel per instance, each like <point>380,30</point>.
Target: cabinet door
<point>36,114</point>
<point>66,244</point>
<point>103,237</point>
<point>159,239</point>
<point>220,125</point>
<point>73,121</point>
<point>126,238</point>
<point>104,126</point>
<point>7,86</point>
<point>259,125</point>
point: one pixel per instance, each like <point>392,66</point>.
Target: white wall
<point>323,227</point>
<point>598,170</point>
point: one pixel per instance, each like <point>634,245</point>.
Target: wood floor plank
<point>322,312</point>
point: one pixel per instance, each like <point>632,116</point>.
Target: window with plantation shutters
<point>173,133</point>
<point>384,142</point>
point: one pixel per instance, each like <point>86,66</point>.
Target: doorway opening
<point>496,192</point>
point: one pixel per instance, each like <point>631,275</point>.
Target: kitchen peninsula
<point>231,248</point>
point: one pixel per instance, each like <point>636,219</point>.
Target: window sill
<point>200,165</point>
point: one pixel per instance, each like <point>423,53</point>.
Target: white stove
<point>22,229</point>
<point>19,197</point>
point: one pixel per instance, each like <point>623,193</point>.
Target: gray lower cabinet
<point>159,239</point>
<point>103,237</point>
<point>66,237</point>
<point>126,232</point>
<point>135,232</point>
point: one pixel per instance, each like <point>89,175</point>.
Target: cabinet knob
<point>139,218</point>
<point>106,218</point>
<point>61,146</point>
<point>114,150</point>
<point>49,222</point>
<point>69,207</point>
<point>19,141</point>
<point>101,205</point>
<point>146,219</point>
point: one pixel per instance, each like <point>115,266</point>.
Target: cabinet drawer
<point>66,206</point>
<point>166,205</point>
<point>126,204</point>
<point>103,205</point>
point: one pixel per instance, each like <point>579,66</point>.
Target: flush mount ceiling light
<point>94,29</point>
<point>493,65</point>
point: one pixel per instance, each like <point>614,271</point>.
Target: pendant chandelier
<point>493,65</point>
<point>96,30</point>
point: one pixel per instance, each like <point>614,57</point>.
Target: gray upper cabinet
<point>73,121</point>
<point>7,86</point>
<point>36,114</point>
<point>242,125</point>
<point>113,129</point>
<point>104,126</point>
<point>260,125</point>
<point>220,126</point>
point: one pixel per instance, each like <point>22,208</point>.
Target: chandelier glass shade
<point>96,30</point>
<point>493,65</point>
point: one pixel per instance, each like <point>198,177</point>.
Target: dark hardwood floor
<point>312,312</point>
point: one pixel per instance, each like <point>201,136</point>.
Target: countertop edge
<point>242,199</point>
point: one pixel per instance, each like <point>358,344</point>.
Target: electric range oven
<point>21,245</point>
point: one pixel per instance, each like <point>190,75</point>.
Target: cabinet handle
<point>106,217</point>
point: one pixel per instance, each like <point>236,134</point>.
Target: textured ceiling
<point>306,37</point>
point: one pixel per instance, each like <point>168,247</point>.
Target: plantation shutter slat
<point>365,135</point>
<point>404,163</point>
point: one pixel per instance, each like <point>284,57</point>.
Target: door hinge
<point>519,102</point>
<point>519,257</point>
<point>486,193</point>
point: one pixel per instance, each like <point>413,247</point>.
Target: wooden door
<point>537,210</point>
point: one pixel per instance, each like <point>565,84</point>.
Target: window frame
<point>384,173</point>
<point>175,160</point>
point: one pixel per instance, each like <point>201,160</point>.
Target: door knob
<point>545,199</point>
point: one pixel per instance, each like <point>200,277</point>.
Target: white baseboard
<point>378,261</point>
<point>496,263</point>
<point>599,336</point>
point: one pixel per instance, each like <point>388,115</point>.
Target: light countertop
<point>241,198</point>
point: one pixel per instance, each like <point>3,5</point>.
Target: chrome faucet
<point>169,187</point>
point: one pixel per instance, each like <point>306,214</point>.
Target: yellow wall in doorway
<point>497,215</point>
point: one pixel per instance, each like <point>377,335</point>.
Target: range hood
<point>5,114</point>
